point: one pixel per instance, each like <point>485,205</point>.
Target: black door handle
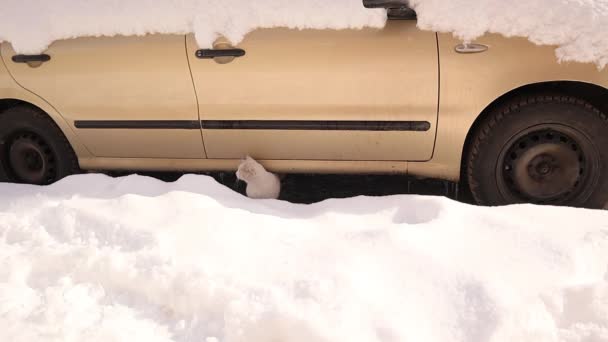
<point>213,53</point>
<point>31,58</point>
<point>386,3</point>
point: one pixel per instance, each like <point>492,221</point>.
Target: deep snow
<point>93,258</point>
<point>578,27</point>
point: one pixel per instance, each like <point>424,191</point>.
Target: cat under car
<point>261,184</point>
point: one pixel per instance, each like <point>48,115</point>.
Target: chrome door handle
<point>471,48</point>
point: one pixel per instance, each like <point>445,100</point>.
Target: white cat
<point>261,184</point>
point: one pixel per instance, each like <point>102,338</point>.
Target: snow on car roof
<point>576,27</point>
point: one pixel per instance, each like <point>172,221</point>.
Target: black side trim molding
<point>319,125</point>
<point>304,125</point>
<point>137,124</point>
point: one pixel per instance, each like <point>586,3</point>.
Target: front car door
<point>321,94</point>
<point>125,96</point>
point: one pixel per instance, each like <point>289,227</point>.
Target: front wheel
<point>33,150</point>
<point>544,150</point>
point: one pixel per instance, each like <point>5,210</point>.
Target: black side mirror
<point>395,9</point>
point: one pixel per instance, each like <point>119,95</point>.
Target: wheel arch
<point>64,127</point>
<point>8,103</point>
<point>595,94</point>
<point>13,94</point>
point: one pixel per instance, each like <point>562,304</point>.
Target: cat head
<point>249,169</point>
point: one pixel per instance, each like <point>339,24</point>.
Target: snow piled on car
<point>93,258</point>
<point>31,25</point>
<point>577,27</point>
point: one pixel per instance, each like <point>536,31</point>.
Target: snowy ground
<point>94,258</point>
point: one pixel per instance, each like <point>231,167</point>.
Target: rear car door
<point>320,94</point>
<point>125,96</point>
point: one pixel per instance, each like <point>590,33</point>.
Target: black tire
<point>33,150</point>
<point>547,149</point>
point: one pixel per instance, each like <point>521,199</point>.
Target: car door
<point>125,96</point>
<point>320,94</point>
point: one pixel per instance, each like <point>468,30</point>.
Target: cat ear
<point>248,158</point>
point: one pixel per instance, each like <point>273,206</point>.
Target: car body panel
<point>468,84</point>
<point>11,90</point>
<point>280,166</point>
<point>119,78</point>
<point>310,75</point>
<point>471,82</point>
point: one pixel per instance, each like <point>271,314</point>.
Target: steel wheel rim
<point>30,159</point>
<point>546,164</point>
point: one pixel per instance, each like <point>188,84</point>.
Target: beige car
<point>500,115</point>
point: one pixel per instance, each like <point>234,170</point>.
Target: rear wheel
<point>33,150</point>
<point>543,150</point>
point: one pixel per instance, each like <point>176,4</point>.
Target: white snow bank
<point>578,27</point>
<point>134,259</point>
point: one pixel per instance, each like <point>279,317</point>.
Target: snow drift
<point>134,259</point>
<point>578,27</point>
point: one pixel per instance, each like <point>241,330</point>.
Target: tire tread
<point>507,110</point>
